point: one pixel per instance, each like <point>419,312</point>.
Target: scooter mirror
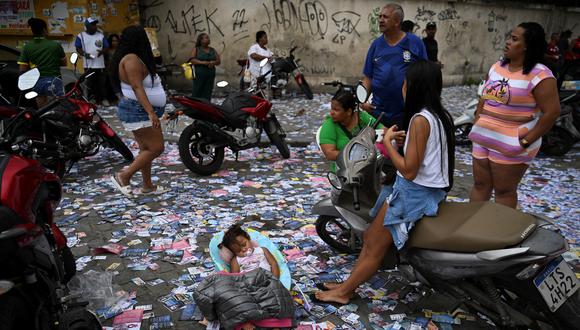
<point>30,95</point>
<point>222,84</point>
<point>5,286</point>
<point>334,180</point>
<point>361,93</point>
<point>28,79</point>
<point>263,62</point>
<point>74,57</point>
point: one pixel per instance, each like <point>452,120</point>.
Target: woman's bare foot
<point>333,296</point>
<point>328,286</point>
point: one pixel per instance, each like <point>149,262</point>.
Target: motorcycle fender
<point>298,78</point>
<point>105,129</point>
<point>463,119</point>
<point>325,207</point>
<point>357,223</point>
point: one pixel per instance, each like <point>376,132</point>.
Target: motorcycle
<point>495,260</point>
<point>566,130</point>
<point>36,262</point>
<point>282,67</point>
<point>236,124</point>
<point>74,125</point>
<point>464,122</point>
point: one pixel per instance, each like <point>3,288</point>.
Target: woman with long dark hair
<point>204,59</point>
<point>424,175</point>
<point>142,104</point>
<point>518,106</point>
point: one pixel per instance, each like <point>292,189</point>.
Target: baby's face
<point>242,247</point>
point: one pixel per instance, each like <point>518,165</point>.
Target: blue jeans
<point>49,86</point>
<point>133,116</point>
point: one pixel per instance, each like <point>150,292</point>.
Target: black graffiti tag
<point>346,21</point>
<point>425,15</point>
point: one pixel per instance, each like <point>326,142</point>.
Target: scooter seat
<point>472,227</point>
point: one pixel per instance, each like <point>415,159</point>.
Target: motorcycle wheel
<point>557,142</point>
<point>280,143</point>
<point>116,143</point>
<point>194,152</point>
<point>306,89</point>
<point>13,312</point>
<point>461,133</point>
<point>336,233</point>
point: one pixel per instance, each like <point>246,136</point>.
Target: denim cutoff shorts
<point>133,116</point>
<point>408,203</point>
<point>49,86</point>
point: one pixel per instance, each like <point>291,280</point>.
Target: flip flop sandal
<point>125,190</point>
<point>157,191</point>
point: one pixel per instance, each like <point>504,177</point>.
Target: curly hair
<point>134,40</point>
<point>231,234</point>
<point>535,40</point>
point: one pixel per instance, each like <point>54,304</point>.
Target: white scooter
<point>464,123</point>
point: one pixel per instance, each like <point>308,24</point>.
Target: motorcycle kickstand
<point>237,154</point>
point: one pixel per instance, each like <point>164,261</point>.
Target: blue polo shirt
<point>385,66</point>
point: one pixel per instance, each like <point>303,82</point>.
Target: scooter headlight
<point>334,180</point>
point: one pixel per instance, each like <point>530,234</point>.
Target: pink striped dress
<point>509,94</point>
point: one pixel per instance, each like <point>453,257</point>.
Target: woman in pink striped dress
<point>519,105</point>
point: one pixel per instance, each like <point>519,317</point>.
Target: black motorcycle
<point>566,131</point>
<point>283,67</point>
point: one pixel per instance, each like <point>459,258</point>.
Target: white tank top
<point>431,173</point>
<point>154,91</point>
<point>254,260</point>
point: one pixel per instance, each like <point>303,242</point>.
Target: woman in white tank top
<point>142,104</point>
<point>424,175</point>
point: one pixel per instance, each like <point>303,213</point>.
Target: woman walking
<point>518,106</point>
<point>205,59</point>
<point>142,104</point>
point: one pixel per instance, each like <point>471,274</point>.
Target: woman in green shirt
<point>343,123</point>
<point>205,59</point>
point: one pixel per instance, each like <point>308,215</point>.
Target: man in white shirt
<point>257,53</point>
<point>91,44</point>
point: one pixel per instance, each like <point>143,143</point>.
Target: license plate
<point>556,283</point>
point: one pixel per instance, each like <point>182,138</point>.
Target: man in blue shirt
<point>386,64</point>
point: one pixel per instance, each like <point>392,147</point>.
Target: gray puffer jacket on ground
<point>236,299</point>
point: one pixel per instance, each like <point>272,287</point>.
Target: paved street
<point>166,236</point>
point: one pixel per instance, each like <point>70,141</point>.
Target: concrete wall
<point>333,35</point>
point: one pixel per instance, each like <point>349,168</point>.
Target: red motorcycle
<point>236,124</point>
<point>74,125</point>
<point>36,262</point>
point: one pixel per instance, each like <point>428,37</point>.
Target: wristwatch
<point>524,143</point>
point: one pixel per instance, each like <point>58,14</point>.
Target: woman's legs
<point>151,145</point>
<point>506,179</point>
<point>377,241</point>
<point>482,181</point>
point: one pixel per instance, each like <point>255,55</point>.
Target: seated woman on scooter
<point>344,122</point>
<point>424,175</point>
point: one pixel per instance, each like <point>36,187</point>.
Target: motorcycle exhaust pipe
<point>214,133</point>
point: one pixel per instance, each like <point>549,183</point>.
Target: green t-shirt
<point>332,133</point>
<point>43,54</point>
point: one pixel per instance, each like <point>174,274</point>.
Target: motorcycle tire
<point>306,89</point>
<point>116,143</point>
<point>340,244</point>
<point>79,319</point>
<point>13,312</point>
<point>191,142</point>
<point>461,134</point>
<point>557,142</point>
<point>280,143</point>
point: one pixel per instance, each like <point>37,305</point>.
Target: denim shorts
<point>133,116</point>
<point>408,203</point>
<point>49,86</point>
